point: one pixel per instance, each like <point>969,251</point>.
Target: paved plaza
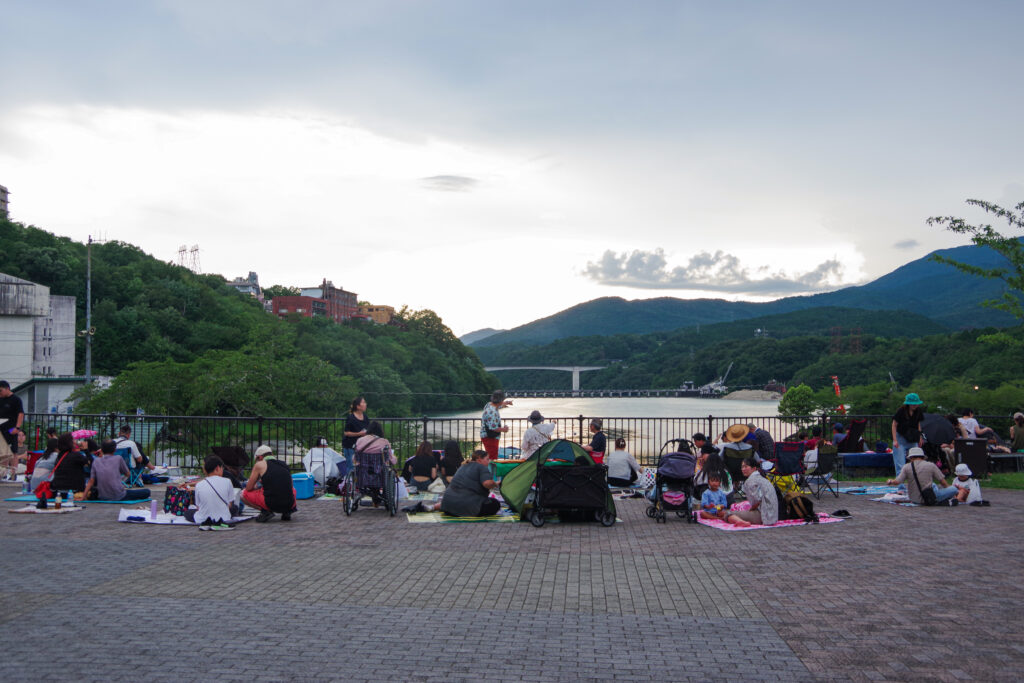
<point>894,593</point>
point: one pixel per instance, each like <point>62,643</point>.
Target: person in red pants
<point>491,429</point>
<point>276,493</point>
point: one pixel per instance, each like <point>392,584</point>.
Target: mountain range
<point>934,290</point>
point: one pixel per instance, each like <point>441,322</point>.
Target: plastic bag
<point>437,486</point>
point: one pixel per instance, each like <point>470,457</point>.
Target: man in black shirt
<point>276,492</point>
<point>11,409</point>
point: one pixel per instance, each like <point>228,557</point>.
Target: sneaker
<point>205,527</point>
<point>265,516</point>
<point>952,502</point>
<point>286,516</point>
<point>219,527</point>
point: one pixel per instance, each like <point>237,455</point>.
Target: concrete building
<point>248,285</point>
<point>37,331</point>
<point>382,315</point>
<point>3,200</point>
<point>53,394</point>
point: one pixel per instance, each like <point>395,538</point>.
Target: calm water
<point>632,407</point>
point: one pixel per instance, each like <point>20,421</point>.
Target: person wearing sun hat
<point>906,429</point>
<point>920,470</point>
<point>537,435</point>
<point>276,492</point>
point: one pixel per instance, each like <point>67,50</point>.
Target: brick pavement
<point>893,594</point>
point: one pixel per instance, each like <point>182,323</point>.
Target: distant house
<point>53,394</point>
<point>249,285</point>
<point>382,315</point>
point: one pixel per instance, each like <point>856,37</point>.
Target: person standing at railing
<point>490,428</point>
<point>356,425</point>
<point>906,429</point>
<point>11,410</point>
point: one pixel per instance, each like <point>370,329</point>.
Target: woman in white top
<point>623,469</point>
<point>537,435</point>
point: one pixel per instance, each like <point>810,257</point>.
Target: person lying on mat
<point>764,505</point>
<point>276,493</point>
<point>214,497</point>
<point>623,469</point>
<point>467,496</point>
<point>107,477</point>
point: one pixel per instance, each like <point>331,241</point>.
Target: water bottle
<point>71,498</point>
<point>56,502</point>
<point>25,487</point>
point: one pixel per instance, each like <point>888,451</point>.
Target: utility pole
<point>89,330</point>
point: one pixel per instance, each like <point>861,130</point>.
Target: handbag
<point>927,495</point>
<point>177,500</point>
<point>437,486</point>
<point>44,490</point>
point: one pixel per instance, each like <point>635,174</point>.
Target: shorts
<point>256,499</point>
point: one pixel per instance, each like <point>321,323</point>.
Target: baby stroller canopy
<point>677,465</point>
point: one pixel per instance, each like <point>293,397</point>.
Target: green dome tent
<point>515,486</point>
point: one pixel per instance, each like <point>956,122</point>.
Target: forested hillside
<point>188,344</point>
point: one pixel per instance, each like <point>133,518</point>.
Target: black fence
<point>185,441</point>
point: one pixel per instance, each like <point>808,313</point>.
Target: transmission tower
<point>855,346</point>
<point>193,259</point>
<point>837,340</point>
<point>182,255</point>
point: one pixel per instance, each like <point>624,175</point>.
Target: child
<point>968,490</point>
<point>713,504</point>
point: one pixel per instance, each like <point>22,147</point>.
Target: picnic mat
<point>31,510</point>
<point>168,518</point>
<point>823,518</point>
<point>434,517</point>
<point>873,490</point>
<point>29,498</point>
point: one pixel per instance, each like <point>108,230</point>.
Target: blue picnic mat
<point>29,498</point>
<point>873,490</point>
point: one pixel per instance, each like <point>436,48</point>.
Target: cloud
<point>906,244</point>
<point>719,272</point>
<point>449,183</point>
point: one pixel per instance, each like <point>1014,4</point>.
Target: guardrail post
<point>581,429</point>
<point>425,419</point>
<point>259,430</point>
<point>711,430</point>
<point>112,429</point>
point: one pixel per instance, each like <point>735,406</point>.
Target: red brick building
<point>325,300</point>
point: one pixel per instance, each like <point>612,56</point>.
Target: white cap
<point>264,450</point>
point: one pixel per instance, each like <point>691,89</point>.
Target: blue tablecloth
<point>868,459</point>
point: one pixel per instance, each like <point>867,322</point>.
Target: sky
<point>498,162</point>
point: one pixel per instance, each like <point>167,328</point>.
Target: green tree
<point>280,290</point>
<point>797,404</point>
<point>1009,246</point>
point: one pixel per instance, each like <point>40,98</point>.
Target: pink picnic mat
<point>823,518</point>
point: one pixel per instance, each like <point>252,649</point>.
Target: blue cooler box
<point>303,483</point>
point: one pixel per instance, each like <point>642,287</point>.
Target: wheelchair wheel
<point>391,492</point>
<point>537,517</point>
<point>651,511</point>
<point>351,497</point>
<point>607,518</point>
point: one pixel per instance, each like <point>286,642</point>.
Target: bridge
<point>574,369</point>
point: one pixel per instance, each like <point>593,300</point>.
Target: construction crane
<point>716,388</point>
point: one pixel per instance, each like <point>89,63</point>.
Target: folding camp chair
<point>134,472</point>
<point>824,476</point>
<point>973,453</point>
<point>789,462</point>
<point>851,443</point>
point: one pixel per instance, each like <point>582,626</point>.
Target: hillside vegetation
<point>183,343</point>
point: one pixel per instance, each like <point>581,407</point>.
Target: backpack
<point>799,506</point>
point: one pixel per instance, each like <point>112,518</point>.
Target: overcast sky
<point>498,162</point>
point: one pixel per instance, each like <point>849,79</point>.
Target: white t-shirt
<point>122,442</point>
<point>211,506</point>
<point>972,486</point>
<point>970,427</point>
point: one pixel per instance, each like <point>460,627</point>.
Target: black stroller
<point>673,482</point>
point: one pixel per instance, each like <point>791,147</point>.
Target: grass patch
<point>1005,480</point>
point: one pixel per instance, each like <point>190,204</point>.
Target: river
<point>632,407</point>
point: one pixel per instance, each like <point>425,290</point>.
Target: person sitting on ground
<point>44,465</point>
<point>11,458</point>
<point>760,493</point>
<point>1017,433</point>
<point>711,465</point>
<point>276,492</point>
<point>927,473</point>
<point>107,475</point>
<point>968,489</point>
<point>623,469</point>
<point>215,496</point>
<point>322,461</point>
<point>421,468</point>
<point>451,461</point>
<point>815,439</point>
<point>69,470</point>
<point>598,442</point>
<point>468,494</point>
<point>713,502</point>
<point>374,442</point>
<point>537,435</point>
<point>971,428</point>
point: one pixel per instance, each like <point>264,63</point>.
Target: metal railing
<point>185,441</point>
